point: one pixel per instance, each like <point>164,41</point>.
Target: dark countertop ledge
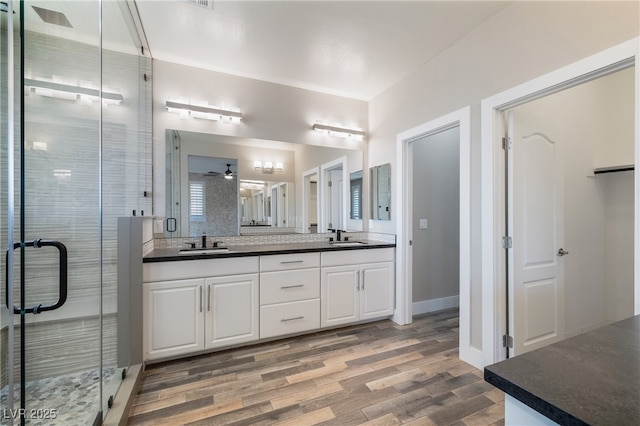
<point>171,254</point>
<point>589,379</point>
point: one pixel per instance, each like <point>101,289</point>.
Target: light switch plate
<point>423,223</point>
<point>157,226</point>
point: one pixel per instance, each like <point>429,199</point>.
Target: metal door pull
<point>562,252</point>
<point>291,319</point>
<point>62,279</point>
<point>291,286</point>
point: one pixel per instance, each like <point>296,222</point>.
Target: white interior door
<point>536,224</point>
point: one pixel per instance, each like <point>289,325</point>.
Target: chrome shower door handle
<point>562,252</point>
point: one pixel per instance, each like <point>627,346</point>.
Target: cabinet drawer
<point>164,271</point>
<point>281,262</point>
<point>356,257</point>
<point>289,286</point>
<point>289,318</point>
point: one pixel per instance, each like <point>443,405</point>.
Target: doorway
<point>333,195</point>
<point>469,349</point>
<point>436,221</point>
<point>310,204</point>
<point>498,256</point>
<point>570,269</point>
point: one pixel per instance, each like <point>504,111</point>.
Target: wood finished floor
<point>373,374</point>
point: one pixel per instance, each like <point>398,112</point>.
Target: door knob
<point>562,252</point>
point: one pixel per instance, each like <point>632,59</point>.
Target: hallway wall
<point>436,196</point>
<point>522,42</point>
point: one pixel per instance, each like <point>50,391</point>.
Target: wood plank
<point>207,411</point>
<point>386,420</point>
<point>306,395</point>
<point>316,373</point>
<point>377,373</point>
<point>311,418</point>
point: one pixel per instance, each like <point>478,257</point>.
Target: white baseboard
<point>433,305</point>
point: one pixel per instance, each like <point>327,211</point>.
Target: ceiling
<point>356,49</point>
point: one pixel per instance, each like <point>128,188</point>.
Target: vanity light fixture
<point>268,167</point>
<point>339,131</point>
<point>252,184</point>
<point>38,146</point>
<point>62,173</point>
<point>204,111</point>
<point>53,89</point>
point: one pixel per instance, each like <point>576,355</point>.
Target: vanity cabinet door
<point>231,310</point>
<point>377,290</point>
<point>173,317</point>
<point>338,289</point>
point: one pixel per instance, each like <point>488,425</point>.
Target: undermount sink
<point>210,250</point>
<point>346,243</point>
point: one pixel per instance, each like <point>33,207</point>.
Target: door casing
<point>492,179</point>
<point>403,204</point>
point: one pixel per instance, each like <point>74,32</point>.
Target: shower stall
<point>75,154</point>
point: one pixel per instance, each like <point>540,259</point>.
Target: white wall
<point>524,41</point>
<point>270,111</point>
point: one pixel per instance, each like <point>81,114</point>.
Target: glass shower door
<point>74,155</point>
<point>54,262</point>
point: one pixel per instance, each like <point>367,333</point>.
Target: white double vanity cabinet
<point>212,302</point>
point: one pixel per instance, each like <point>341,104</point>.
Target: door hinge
<point>330,184</point>
<point>507,242</point>
<point>506,143</point>
<point>507,341</point>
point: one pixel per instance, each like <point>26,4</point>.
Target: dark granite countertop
<point>589,379</point>
<point>171,254</point>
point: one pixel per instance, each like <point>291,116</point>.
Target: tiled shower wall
<point>67,208</point>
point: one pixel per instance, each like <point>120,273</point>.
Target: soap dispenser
<point>204,240</point>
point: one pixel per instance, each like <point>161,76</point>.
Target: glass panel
<point>126,177</point>
<point>84,160</point>
<point>57,352</point>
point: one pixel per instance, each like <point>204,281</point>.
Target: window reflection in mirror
<point>380,192</point>
<point>355,184</point>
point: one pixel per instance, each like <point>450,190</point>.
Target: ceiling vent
<point>52,17</point>
<point>207,4</point>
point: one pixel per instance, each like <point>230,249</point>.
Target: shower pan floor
<point>73,397</point>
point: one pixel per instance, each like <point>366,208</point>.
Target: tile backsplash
<point>160,243</point>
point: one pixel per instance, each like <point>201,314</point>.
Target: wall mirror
<point>380,183</point>
<point>264,196</point>
<point>211,195</point>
